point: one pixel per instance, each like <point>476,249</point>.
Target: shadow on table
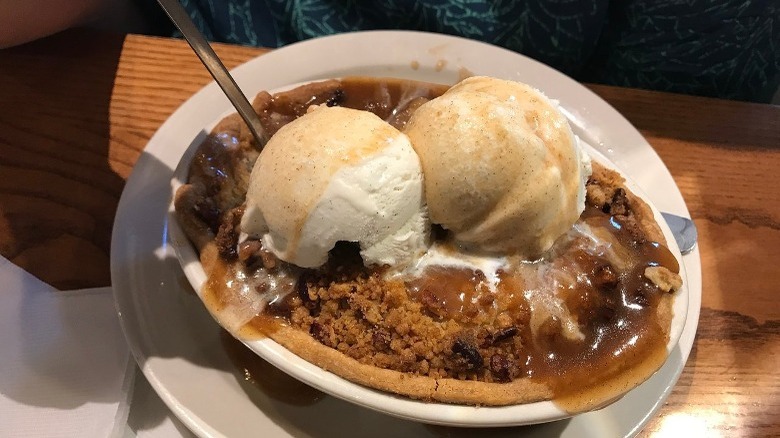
<point>59,192</point>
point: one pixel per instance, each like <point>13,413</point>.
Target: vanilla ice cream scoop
<point>337,174</point>
<point>503,170</point>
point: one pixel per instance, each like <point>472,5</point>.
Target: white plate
<point>176,342</point>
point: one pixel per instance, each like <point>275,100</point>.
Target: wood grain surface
<point>77,109</point>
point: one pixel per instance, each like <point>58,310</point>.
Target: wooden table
<point>77,109</point>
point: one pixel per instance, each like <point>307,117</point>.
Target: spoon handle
<point>182,20</point>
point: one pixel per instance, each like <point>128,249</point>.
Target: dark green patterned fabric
<point>728,49</point>
<point>721,48</point>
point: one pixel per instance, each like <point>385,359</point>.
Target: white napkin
<point>63,360</point>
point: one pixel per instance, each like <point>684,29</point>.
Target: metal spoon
<point>182,20</point>
<point>684,231</point>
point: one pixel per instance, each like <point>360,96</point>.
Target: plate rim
<point>241,73</point>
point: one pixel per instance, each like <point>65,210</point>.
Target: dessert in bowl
<point>457,249</point>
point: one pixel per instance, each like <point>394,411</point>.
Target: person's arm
<point>26,20</point>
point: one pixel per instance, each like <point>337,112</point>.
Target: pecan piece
<point>206,209</point>
<point>505,334</point>
<point>248,250</point>
<point>227,236</point>
<point>604,277</point>
<point>302,288</point>
<point>432,304</point>
<point>321,333</point>
<point>502,367</point>
<point>336,98</point>
<point>499,336</point>
<point>469,354</point>
<point>618,206</point>
<point>381,338</point>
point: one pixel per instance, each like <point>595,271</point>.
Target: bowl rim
<point>400,406</point>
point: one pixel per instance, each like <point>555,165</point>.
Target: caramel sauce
<point>217,294</point>
<point>387,98</point>
<point>215,291</point>
<point>261,326</point>
<point>622,340</point>
<point>249,366</point>
<point>455,293</point>
<point>653,253</point>
<point>616,312</point>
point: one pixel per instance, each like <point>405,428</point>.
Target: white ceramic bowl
<point>403,407</point>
